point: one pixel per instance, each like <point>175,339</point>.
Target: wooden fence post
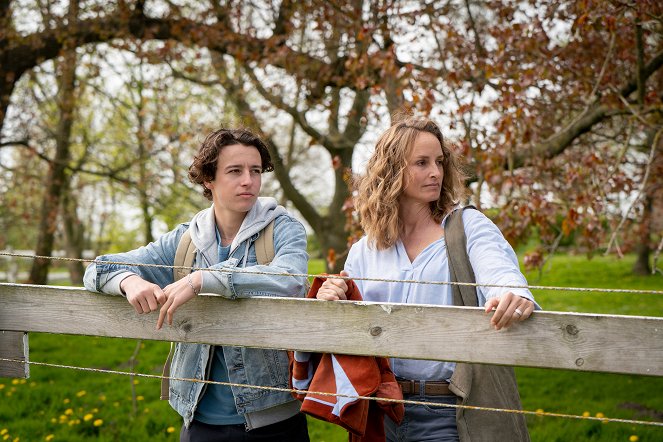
<point>14,345</point>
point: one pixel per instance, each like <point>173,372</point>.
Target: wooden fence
<point>587,342</point>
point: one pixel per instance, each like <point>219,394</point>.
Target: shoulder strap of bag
<point>460,268</point>
<point>184,257</point>
<point>264,245</point>
<point>479,385</point>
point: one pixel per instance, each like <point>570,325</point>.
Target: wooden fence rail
<point>586,342</point>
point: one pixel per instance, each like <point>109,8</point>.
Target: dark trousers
<point>292,429</point>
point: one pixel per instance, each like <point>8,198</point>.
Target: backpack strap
<point>460,268</point>
<point>165,377</point>
<point>186,252</point>
<point>264,245</point>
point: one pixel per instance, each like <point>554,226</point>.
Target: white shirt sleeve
<point>492,258</point>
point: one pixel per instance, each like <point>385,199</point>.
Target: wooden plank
<point>586,342</point>
<point>14,345</point>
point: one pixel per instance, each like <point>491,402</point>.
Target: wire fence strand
<point>369,398</point>
<point>308,275</point>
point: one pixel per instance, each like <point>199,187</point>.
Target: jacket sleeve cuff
<point>112,285</point>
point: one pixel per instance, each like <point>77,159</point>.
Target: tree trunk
<point>74,237</point>
<point>55,181</point>
<point>642,249</point>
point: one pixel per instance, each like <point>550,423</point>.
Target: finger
<point>491,304</point>
<point>160,295</point>
<point>145,307</point>
<point>527,308</point>
<point>162,313</point>
<point>136,305</point>
<point>337,282</point>
<point>516,311</point>
<point>326,295</point>
<point>151,302</point>
<point>333,289</point>
<point>502,314</point>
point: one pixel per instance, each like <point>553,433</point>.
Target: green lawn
<point>65,405</point>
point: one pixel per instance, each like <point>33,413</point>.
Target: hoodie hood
<point>203,226</point>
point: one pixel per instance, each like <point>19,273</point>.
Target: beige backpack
<point>183,265</point>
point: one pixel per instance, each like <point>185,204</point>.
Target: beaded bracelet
<point>190,281</point>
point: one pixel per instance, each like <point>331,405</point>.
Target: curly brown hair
<point>381,187</point>
<point>203,168</point>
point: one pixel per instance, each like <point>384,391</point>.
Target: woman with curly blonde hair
<point>413,183</point>
<point>380,190</point>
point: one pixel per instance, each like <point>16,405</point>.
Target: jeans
<point>425,423</point>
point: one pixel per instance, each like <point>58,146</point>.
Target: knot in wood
<point>572,329</point>
<point>376,331</point>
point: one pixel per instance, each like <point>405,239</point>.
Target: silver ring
<point>518,312</point>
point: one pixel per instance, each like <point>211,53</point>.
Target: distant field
<point>66,405</point>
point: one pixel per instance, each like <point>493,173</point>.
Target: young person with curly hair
<point>229,166</point>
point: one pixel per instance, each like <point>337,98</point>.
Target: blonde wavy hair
<point>380,189</point>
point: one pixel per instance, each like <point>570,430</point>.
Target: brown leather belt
<point>432,388</point>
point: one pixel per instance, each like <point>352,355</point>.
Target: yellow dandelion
<point>102,397</point>
<point>63,417</point>
<point>586,414</point>
<point>98,423</point>
<point>53,420</point>
<point>147,410</point>
<point>136,382</point>
<point>9,393</point>
<point>600,415</point>
<point>88,417</point>
<point>66,401</point>
<point>23,381</point>
<point>95,410</point>
<point>15,381</point>
<point>539,411</point>
<point>170,430</point>
<point>71,423</point>
<point>2,386</point>
<point>4,431</point>
<point>49,437</point>
<point>17,439</point>
<point>633,438</point>
<point>81,393</point>
<point>140,398</point>
<point>5,437</point>
<point>68,411</point>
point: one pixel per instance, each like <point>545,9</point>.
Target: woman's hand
<point>144,296</point>
<point>333,289</point>
<point>509,308</point>
<point>177,294</point>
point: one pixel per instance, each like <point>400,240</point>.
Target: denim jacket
<point>251,366</point>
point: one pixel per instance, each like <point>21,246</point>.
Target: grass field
<point>62,404</point>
